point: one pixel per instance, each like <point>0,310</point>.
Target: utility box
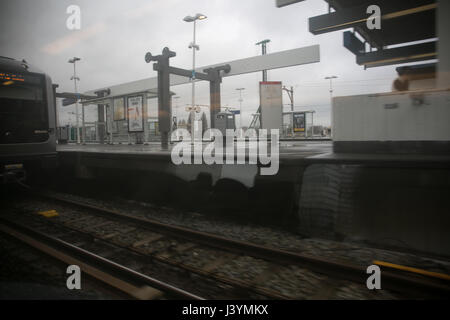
<point>225,120</point>
<point>63,135</point>
<point>271,101</point>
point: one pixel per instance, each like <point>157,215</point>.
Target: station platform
<point>294,149</point>
<point>311,151</point>
<point>398,200</point>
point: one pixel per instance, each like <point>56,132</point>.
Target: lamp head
<point>189,19</point>
<point>263,42</point>
<point>200,16</point>
<point>74,59</point>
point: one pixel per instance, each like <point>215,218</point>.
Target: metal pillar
<point>215,103</point>
<point>110,120</point>
<point>145,118</point>
<point>76,101</point>
<point>291,97</point>
<point>214,90</point>
<point>54,86</point>
<point>83,127</point>
<point>101,123</point>
<point>101,126</point>
<point>164,101</point>
<point>213,75</point>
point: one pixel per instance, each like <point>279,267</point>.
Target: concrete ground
<point>288,149</point>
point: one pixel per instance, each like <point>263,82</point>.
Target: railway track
<point>229,249</point>
<point>75,232</point>
<point>130,282</point>
<point>391,280</point>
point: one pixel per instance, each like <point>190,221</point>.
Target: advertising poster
<point>299,121</point>
<point>135,114</point>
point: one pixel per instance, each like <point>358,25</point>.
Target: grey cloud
<point>114,52</point>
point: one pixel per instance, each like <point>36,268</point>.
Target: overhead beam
<point>352,43</point>
<point>151,94</point>
<point>282,59</point>
<point>356,16</point>
<point>417,52</point>
<point>72,95</point>
<point>188,73</point>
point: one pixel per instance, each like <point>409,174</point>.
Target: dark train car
<point>27,121</point>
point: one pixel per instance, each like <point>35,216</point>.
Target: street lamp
<point>75,78</point>
<point>331,92</point>
<point>198,16</point>
<point>264,52</point>
<point>331,84</point>
<point>194,47</point>
<point>312,123</point>
<point>240,106</point>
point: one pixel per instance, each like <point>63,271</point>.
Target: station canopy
<point>407,34</point>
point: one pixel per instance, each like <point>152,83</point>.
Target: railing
<point>93,134</point>
<point>94,131</point>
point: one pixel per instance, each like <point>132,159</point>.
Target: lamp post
<point>240,105</point>
<point>331,92</point>
<point>331,84</point>
<point>194,47</point>
<point>264,51</point>
<point>75,78</point>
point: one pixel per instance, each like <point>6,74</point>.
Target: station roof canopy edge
<point>275,60</point>
<point>73,95</point>
<point>86,99</point>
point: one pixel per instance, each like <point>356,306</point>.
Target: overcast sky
<point>115,35</point>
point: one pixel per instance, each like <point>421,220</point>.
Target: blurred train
<point>27,121</point>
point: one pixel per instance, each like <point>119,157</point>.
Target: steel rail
<point>394,281</point>
<point>127,280</point>
<point>237,284</point>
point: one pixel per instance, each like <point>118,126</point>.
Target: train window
<point>21,91</point>
<point>23,109</point>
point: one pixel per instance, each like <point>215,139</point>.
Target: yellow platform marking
<point>49,213</point>
<point>414,270</point>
